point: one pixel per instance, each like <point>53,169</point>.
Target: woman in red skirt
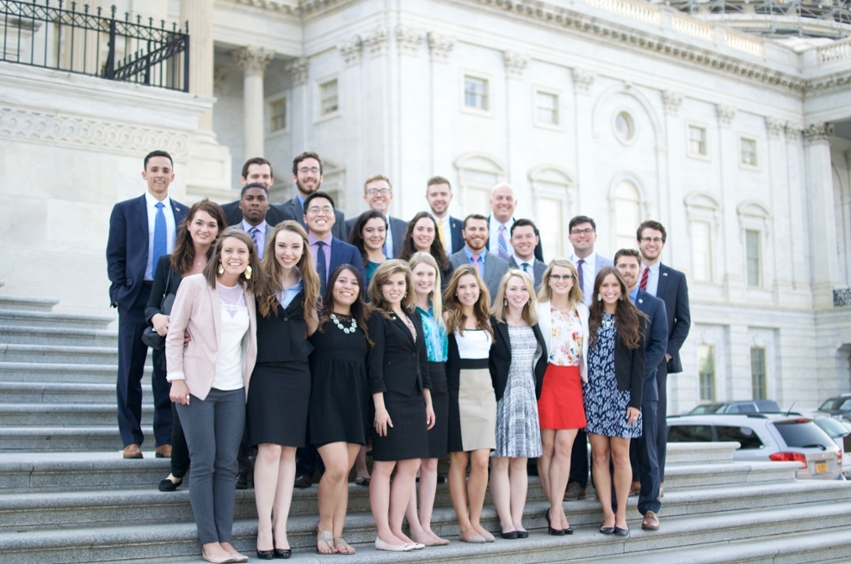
<point>563,320</point>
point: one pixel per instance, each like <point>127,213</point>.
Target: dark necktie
<point>525,267</point>
<point>160,234</point>
<point>644,276</point>
<point>579,275</point>
<point>321,268</point>
<point>253,232</point>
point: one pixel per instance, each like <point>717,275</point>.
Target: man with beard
<point>491,267</point>
<point>307,175</point>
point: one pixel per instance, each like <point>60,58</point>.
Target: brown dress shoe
<point>163,451</point>
<point>651,521</point>
<point>634,488</point>
<point>132,451</point>
<point>574,492</point>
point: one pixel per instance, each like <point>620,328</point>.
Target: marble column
<point>588,200</point>
<point>734,282</point>
<point>253,61</point>
<point>517,127</point>
<point>199,14</point>
<point>782,232</point>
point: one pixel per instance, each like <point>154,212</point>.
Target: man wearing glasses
<point>307,175</point>
<point>378,194</point>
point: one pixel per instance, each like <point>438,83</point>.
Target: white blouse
<point>473,344</point>
<point>230,361</point>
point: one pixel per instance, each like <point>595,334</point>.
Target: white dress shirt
<point>170,228</point>
<point>446,228</point>
<point>652,278</point>
<point>589,273</point>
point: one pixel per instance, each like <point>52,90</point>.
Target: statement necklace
<point>339,325</point>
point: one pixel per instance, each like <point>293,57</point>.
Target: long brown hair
<point>388,268</point>
<point>455,318</point>
<point>183,256</point>
<point>356,236</point>
<point>360,310</point>
<point>629,321</point>
<point>436,250</point>
<point>211,271</point>
<point>268,300</point>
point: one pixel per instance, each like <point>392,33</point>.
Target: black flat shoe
<point>511,535</point>
<point>522,534</point>
<point>283,552</point>
<point>167,485</point>
<point>621,532</point>
<point>266,554</point>
<point>607,530</point>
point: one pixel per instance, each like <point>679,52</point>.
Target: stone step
<point>99,544</point>
<point>64,415</point>
<point>59,393</point>
<point>14,303</point>
<point>81,373</point>
<point>700,453</point>
<point>58,354</point>
<point>63,439</point>
<point>57,336</point>
<point>18,318</point>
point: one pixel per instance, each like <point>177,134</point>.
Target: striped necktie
<point>503,245</point>
<point>644,276</point>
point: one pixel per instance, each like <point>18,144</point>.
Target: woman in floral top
<point>563,320</point>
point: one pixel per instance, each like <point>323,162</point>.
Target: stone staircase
<point>66,495</point>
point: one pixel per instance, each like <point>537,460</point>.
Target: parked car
<point>765,437</point>
<point>840,431</point>
<point>839,407</point>
<point>750,406</point>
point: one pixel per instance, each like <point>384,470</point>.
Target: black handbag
<point>150,336</point>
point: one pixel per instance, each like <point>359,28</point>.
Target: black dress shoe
<point>607,530</point>
<point>550,530</point>
<point>242,482</point>
<point>266,554</point>
<point>511,535</point>
<point>621,532</point>
<point>568,530</point>
<point>304,480</point>
<point>522,534</point>
<point>167,485</point>
<point>283,553</point>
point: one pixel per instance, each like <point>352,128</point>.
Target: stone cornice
<point>279,9</point>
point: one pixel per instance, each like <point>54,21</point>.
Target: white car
<point>765,437</point>
<point>840,431</point>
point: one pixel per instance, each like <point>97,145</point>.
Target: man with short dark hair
<point>254,205</point>
<point>256,170</point>
<point>503,203</point>
<point>439,196</point>
<point>643,450</point>
<point>307,175</point>
<point>670,286</point>
<point>141,230</point>
<point>524,239</point>
<point>378,193</point>
<point>490,266</point>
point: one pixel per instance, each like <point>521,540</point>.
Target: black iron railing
<point>61,36</point>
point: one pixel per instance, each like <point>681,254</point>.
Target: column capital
<point>409,39</point>
<point>583,79</point>
<point>253,59</point>
<point>376,41</point>
<point>297,69</point>
<point>672,100</point>
<point>515,64</point>
<point>725,114</point>
<point>440,46</point>
<point>817,133</point>
<point>774,127</point>
<point>792,132</point>
<point>351,50</point>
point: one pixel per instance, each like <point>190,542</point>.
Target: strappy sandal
<point>328,538</point>
<point>342,546</point>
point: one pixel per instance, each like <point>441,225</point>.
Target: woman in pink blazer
<point>209,381</point>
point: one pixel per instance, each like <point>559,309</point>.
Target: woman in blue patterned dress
<point>613,391</point>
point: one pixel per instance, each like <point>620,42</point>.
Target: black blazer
<point>283,337</point>
<point>629,369</point>
<point>274,215</point>
<point>456,227</point>
<point>673,290</point>
<point>396,363</point>
<point>162,286</point>
<point>291,209</point>
<point>500,358</point>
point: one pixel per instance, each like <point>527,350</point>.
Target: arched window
<point>627,214</point>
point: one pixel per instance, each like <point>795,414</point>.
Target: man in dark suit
<point>524,239</point>
<point>255,171</point>
<point>141,230</point>
<point>503,203</point>
<point>307,175</point>
<point>670,286</point>
<point>378,194</point>
<point>254,204</point>
<point>438,196</point>
<point>643,452</point>
<point>490,266</point>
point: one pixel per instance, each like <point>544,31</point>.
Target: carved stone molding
<point>49,128</point>
<point>253,60</point>
<point>376,41</point>
<point>440,46</point>
<point>725,114</point>
<point>672,100</point>
<point>297,70</point>
<point>583,79</point>
<point>351,50</point>
<point>774,127</point>
<point>515,64</point>
<point>409,39</point>
<point>818,133</point>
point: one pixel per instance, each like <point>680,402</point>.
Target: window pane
<point>627,214</point>
<point>701,251</point>
<point>547,108</point>
<point>624,126</point>
<point>475,92</point>
<point>697,140</point>
<point>706,368</point>
<point>743,435</point>
<point>328,93</point>
<point>758,372</point>
<point>749,152</point>
<point>550,225</point>
<point>800,434</point>
<point>753,257</point>
<point>278,115</point>
<point>689,433</point>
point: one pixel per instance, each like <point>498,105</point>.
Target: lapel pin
<point>664,274</point>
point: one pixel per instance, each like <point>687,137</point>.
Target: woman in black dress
<point>339,399</point>
<point>280,384</point>
<point>400,385</point>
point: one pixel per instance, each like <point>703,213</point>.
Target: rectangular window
<point>696,140</point>
<point>547,108</point>
<point>550,225</point>
<point>278,115</point>
<point>476,93</point>
<point>328,97</point>
<point>701,251</point>
<point>752,244</point>
<point>758,373</point>
<point>749,152</point>
<point>706,368</point>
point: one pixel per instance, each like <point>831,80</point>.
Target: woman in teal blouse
<point>368,235</point>
<point>429,307</point>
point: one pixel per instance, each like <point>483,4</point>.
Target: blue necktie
<point>502,244</point>
<point>321,268</point>
<point>387,242</point>
<point>160,234</point>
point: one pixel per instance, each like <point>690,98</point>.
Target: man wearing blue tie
<point>141,230</point>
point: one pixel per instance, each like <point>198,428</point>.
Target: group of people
<point>430,339</point>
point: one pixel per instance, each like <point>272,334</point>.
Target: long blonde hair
<point>268,301</point>
<point>545,294</point>
<point>434,297</point>
<point>530,316</point>
<point>377,301</point>
<point>455,318</point>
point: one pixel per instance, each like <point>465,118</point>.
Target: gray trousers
<point>213,429</point>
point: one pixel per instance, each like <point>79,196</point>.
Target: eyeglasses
<point>656,240</point>
<point>316,210</point>
<point>376,191</point>
<point>305,170</point>
<point>559,277</point>
<point>586,231</point>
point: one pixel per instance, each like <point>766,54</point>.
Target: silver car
<point>765,437</point>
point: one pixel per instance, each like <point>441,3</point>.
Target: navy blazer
<point>274,215</point>
<point>499,361</point>
<point>539,250</point>
<point>397,226</point>
<point>655,340</point>
<point>291,209</point>
<point>673,290</point>
<point>344,253</point>
<point>456,226</point>
<point>396,363</point>
<point>127,248</point>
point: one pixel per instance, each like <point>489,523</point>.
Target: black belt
<point>148,282</point>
